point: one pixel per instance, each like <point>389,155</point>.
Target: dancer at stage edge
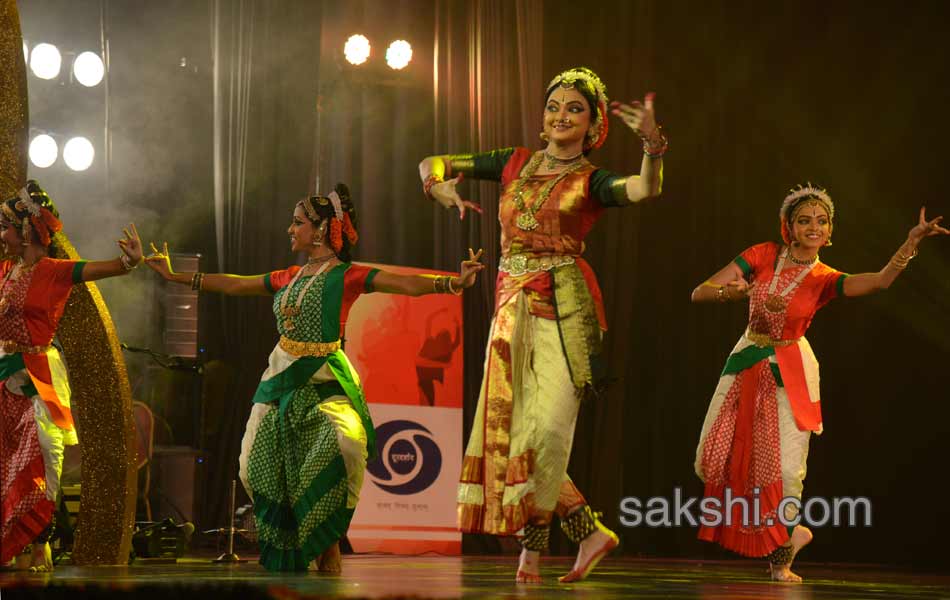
<point>309,433</point>
<point>544,349</point>
<point>755,436</point>
<point>35,418</point>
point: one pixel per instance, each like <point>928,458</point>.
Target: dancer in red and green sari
<point>544,349</point>
<point>35,418</point>
<point>755,437</point>
<point>310,434</point>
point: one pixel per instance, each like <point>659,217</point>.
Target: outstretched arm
<point>222,283</point>
<point>420,285</point>
<point>727,285</point>
<point>434,171</point>
<point>130,258</point>
<point>863,284</point>
<point>640,117</point>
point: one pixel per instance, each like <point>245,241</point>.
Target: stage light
<point>43,151</point>
<point>398,54</point>
<point>356,49</point>
<point>88,69</point>
<point>78,153</point>
<point>45,61</point>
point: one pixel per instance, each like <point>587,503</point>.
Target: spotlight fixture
<point>399,54</point>
<point>356,50</point>
<point>45,61</point>
<point>78,153</point>
<point>88,69</point>
<point>43,151</point>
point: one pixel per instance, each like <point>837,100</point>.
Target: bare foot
<point>529,567</point>
<point>591,550</point>
<point>41,559</point>
<point>801,536</point>
<point>23,561</point>
<point>331,561</point>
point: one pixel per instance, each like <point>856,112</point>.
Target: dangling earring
<point>318,238</point>
<point>828,242</point>
<point>544,136</point>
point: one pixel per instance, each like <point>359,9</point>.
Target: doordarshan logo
<point>410,459</point>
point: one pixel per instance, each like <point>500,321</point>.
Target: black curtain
<point>755,99</point>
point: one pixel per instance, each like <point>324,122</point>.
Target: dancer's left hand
<point>925,228</point>
<point>131,245</point>
<point>470,269</point>
<point>638,116</point>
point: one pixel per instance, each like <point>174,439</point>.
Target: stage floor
<point>375,576</point>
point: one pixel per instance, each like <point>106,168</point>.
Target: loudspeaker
<point>180,310</point>
<point>178,474</point>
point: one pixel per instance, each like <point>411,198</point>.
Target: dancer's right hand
<point>445,194</point>
<point>159,261</point>
<point>739,288</point>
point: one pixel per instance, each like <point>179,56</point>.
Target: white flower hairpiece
<point>27,203</point>
<point>337,205</point>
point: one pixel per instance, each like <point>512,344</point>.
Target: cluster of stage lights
<point>357,51</point>
<point>46,61</point>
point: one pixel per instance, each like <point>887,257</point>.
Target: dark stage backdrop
<point>755,98</point>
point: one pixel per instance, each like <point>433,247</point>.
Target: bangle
<point>126,262</point>
<point>196,281</point>
<point>430,181</point>
<point>899,261</point>
<point>656,145</point>
<point>721,294</point>
<point>452,290</point>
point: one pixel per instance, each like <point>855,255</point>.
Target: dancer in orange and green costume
<point>755,436</point>
<point>544,349</point>
<point>310,434</point>
<point>35,418</point>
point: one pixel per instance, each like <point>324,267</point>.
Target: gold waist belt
<point>11,347</point>
<point>763,339</point>
<point>519,264</point>
<point>308,348</point>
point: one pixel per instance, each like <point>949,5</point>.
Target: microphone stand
<point>229,557</point>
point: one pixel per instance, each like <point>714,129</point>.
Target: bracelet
<point>656,146</point>
<point>126,262</point>
<point>430,181</point>
<point>196,281</point>
<point>721,294</point>
<point>452,290</point>
<point>899,261</point>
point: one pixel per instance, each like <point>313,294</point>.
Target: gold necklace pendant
<point>526,222</point>
<point>288,324</point>
<point>775,303</point>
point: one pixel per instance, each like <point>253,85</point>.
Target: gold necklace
<point>320,259</point>
<point>289,312</point>
<point>526,221</point>
<point>551,161</point>
<point>804,263</point>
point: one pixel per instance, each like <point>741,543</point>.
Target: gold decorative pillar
<point>101,396</point>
